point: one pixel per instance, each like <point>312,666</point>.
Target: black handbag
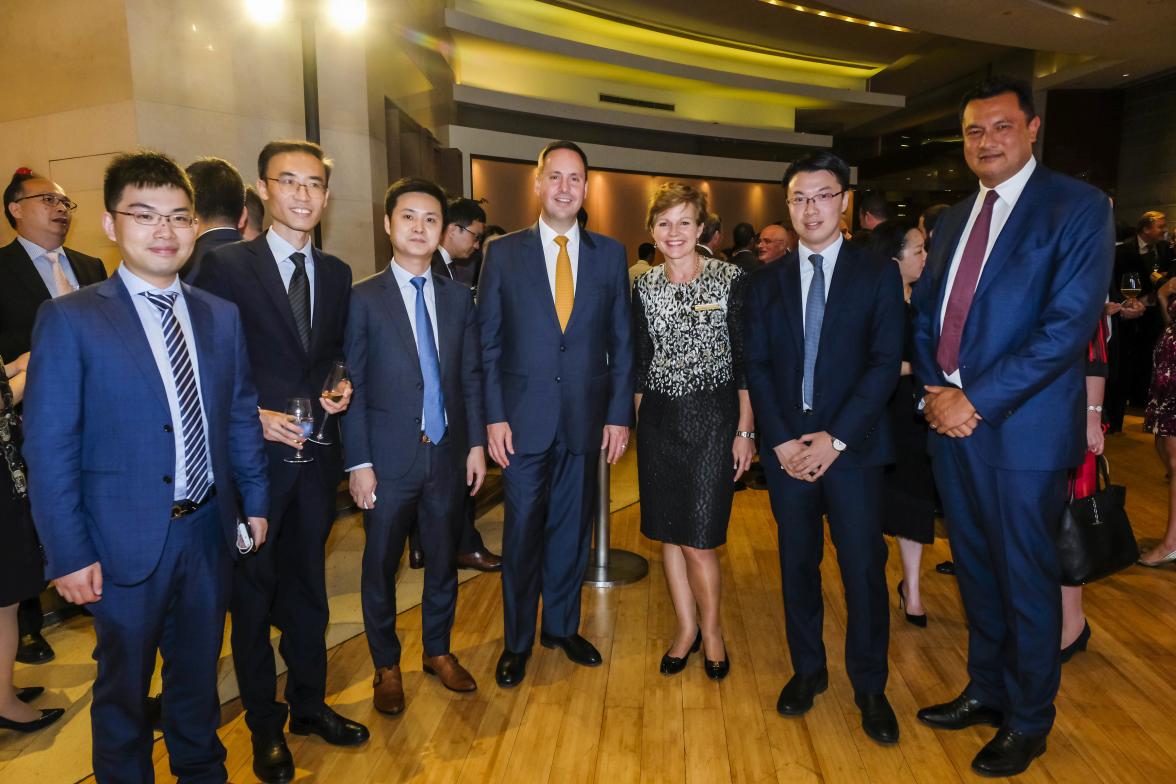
<point>1095,538</point>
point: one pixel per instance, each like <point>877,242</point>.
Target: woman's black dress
<point>21,567</point>
<point>908,491</point>
<point>689,371</point>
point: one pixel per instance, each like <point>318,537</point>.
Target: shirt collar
<point>216,228</point>
<point>136,285</point>
<point>1010,190</point>
<point>445,255</point>
<point>404,277</point>
<point>35,251</point>
<point>828,255</point>
<point>548,234</point>
<point>282,249</point>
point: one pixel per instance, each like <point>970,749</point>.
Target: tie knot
<point>299,259</point>
<point>419,282</point>
<point>561,241</point>
<point>163,300</point>
<point>817,259</point>
<point>53,256</point>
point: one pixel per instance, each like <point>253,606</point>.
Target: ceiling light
<point>842,18</point>
<point>1074,12</point>
<point>347,14</point>
<point>265,11</point>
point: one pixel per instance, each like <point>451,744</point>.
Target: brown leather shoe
<point>483,560</point>
<point>453,676</point>
<point>388,688</point>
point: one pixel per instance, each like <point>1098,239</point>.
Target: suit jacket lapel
<point>396,311</point>
<point>82,274</point>
<point>204,339</point>
<point>265,266</point>
<point>322,282</point>
<point>1010,235</point>
<point>448,312</point>
<point>837,295</point>
<point>587,283</point>
<point>536,266</point>
<point>953,230</point>
<point>24,271</point>
<point>121,312</point>
<point>789,281</point>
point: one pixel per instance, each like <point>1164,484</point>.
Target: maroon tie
<point>964,288</point>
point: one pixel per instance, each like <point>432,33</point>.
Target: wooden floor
<point>623,722</point>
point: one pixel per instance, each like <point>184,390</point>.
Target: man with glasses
<point>293,300</point>
<point>775,241</point>
<point>34,268</point>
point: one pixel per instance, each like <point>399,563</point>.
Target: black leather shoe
<point>878,719</point>
<point>576,647</point>
<point>1008,754</point>
<point>961,712</point>
<point>672,665</point>
<point>416,559</point>
<point>797,695</point>
<point>511,669</point>
<point>331,727</point>
<point>48,716</point>
<point>272,762</point>
<point>29,693</point>
<point>945,567</point>
<point>1078,645</point>
<point>34,649</point>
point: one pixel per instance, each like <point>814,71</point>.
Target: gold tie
<point>59,279</point>
<point>565,290</point>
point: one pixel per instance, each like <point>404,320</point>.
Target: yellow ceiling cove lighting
<point>800,9</point>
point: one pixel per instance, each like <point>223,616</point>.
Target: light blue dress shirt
<point>44,267</point>
<point>282,250</point>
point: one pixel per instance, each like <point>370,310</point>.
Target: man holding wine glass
<point>293,299</point>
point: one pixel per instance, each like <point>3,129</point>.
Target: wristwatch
<point>749,434</point>
<point>1094,409</point>
<point>839,445</point>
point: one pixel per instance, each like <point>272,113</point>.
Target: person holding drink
<point>293,300</point>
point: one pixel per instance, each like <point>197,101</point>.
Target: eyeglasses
<point>820,198</point>
<point>477,237</point>
<point>53,200</point>
<point>290,186</point>
<point>177,220</point>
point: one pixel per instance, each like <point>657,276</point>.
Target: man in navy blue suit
<point>823,350</point>
<point>553,306</point>
<point>1007,304</point>
<point>414,432</point>
<point>143,443</point>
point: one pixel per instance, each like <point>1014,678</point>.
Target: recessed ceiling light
<point>1126,75</point>
<point>833,15</point>
<point>1074,12</point>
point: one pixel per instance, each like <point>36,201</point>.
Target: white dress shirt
<point>828,262</point>
<point>153,327</point>
<point>445,257</point>
<point>282,250</point>
<point>44,267</point>
<point>1008,192</point>
<point>547,237</point>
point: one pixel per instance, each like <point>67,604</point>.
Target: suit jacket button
<point>420,385</point>
<point>167,428</point>
<point>557,379</point>
<point>418,420</point>
<point>563,348</point>
<point>167,480</point>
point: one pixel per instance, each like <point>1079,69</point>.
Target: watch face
<point>839,445</point>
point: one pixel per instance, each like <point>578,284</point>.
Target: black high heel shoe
<point>717,670</point>
<point>915,620</point>
<point>48,716</point>
<point>1078,645</point>
<point>672,665</point>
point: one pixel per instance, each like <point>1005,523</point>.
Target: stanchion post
<point>608,566</point>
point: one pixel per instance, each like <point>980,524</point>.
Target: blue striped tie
<point>430,367</point>
<point>195,443</point>
<point>814,316</point>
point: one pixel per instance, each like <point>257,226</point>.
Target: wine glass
<point>298,408</point>
<point>333,389</point>
<point>1130,285</point>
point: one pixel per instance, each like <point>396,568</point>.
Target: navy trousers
<point>179,611</point>
<point>852,499</point>
<point>428,495</point>
<point>545,541</point>
<point>1003,525</point>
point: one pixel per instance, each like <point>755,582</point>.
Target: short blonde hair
<point>670,195</point>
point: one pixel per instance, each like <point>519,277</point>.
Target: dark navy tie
<point>187,393</point>
<point>430,367</point>
<point>299,294</point>
<point>814,316</point>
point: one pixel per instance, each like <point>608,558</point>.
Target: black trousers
<point>468,538</point>
<point>284,585</point>
<point>426,496</point>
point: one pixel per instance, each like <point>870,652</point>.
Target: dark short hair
<point>874,203</point>
<point>462,212</point>
<point>143,169</point>
<point>255,207</point>
<point>15,190</point>
<point>414,185</point>
<point>220,191</point>
<point>291,145</point>
<point>742,235</point>
<point>931,216</point>
<point>710,227</point>
<point>888,238</point>
<point>822,160</point>
<point>999,85</point>
<point>562,145</point>
<point>646,251</point>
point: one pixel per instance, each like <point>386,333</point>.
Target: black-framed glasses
<point>53,200</point>
<point>467,230</point>
<point>145,218</point>
<point>820,198</point>
<point>290,185</point>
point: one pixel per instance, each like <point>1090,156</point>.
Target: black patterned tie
<point>188,395</point>
<point>300,299</point>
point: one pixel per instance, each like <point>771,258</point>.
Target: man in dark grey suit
<point>414,431</point>
<point>220,208</point>
<point>460,240</point>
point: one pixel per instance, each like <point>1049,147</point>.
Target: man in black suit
<point>873,211</point>
<point>293,300</point>
<point>254,215</point>
<point>711,238</point>
<point>743,254</point>
<point>414,432</point>
<point>36,267</point>
<point>220,209</point>
<point>824,331</point>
